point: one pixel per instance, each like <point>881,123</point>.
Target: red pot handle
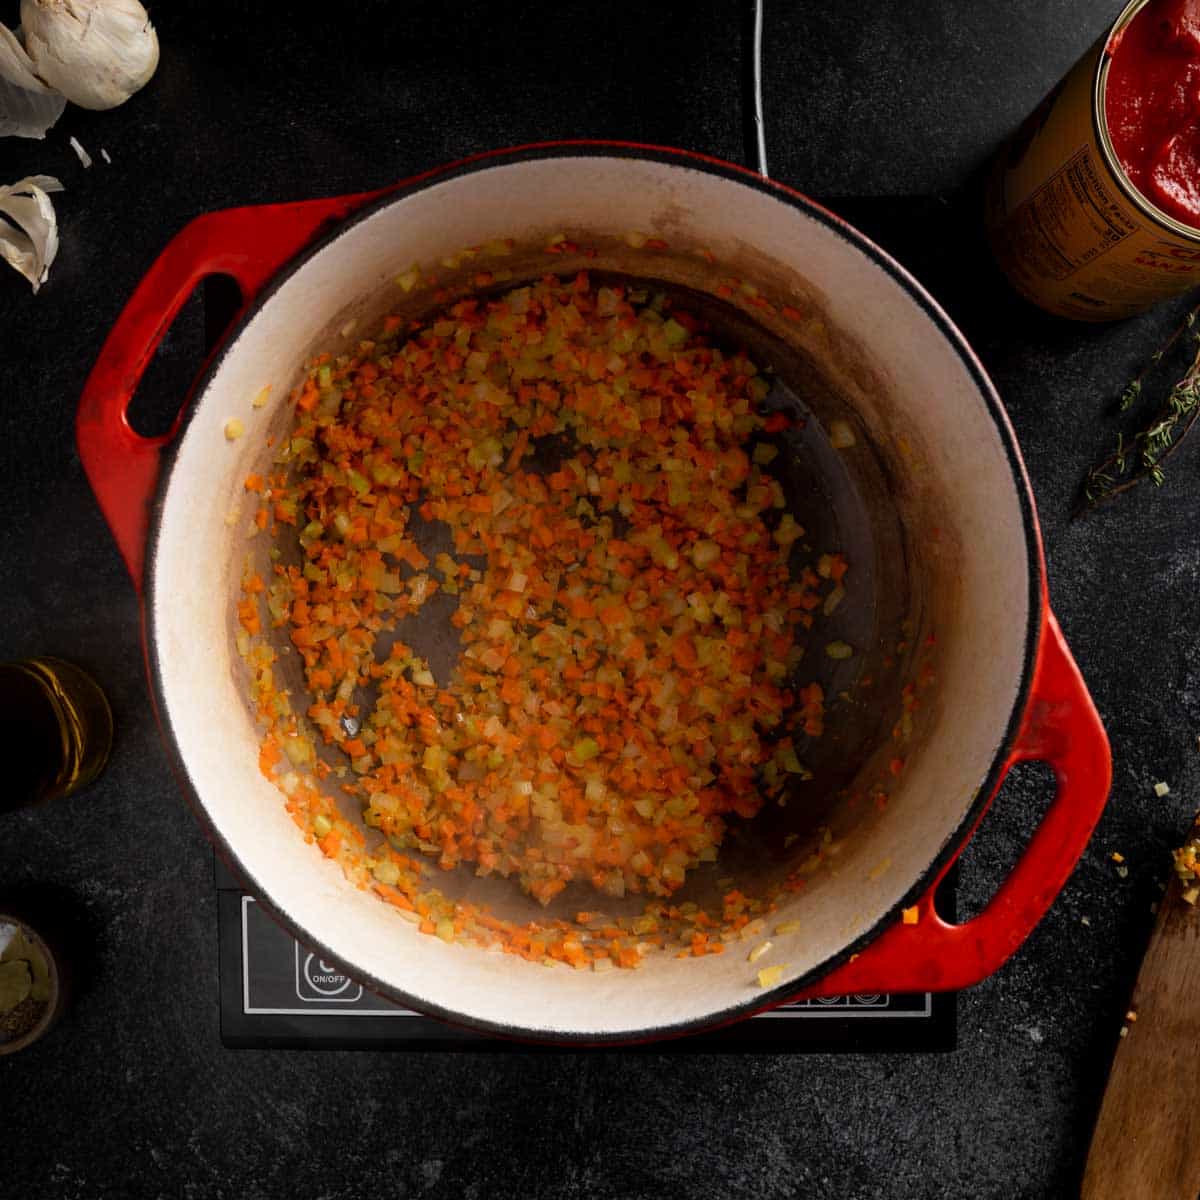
<point>250,244</point>
<point>1061,728</point>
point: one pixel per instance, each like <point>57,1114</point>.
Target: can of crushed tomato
<point>1066,222</point>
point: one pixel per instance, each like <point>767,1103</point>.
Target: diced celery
<point>387,872</point>
<point>585,749</point>
<point>676,334</point>
<point>789,531</point>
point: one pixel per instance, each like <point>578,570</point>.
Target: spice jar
<point>31,985</point>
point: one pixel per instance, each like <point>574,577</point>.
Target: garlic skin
<point>97,53</point>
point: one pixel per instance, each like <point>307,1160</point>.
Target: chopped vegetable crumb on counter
<point>910,916</point>
<point>234,429</point>
<point>631,619</point>
<point>1187,867</point>
<point>1162,789</point>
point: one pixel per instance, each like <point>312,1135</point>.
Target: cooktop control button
<point>317,981</point>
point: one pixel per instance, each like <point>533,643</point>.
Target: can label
<point>1062,221</point>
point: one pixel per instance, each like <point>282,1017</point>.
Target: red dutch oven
<point>923,488</point>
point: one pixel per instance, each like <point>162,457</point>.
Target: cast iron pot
<point>931,503</point>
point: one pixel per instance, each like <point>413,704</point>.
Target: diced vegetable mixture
<point>629,600</point>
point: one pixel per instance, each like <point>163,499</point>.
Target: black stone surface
<point>133,1095</point>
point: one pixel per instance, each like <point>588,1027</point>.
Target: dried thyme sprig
<point>1143,457</point>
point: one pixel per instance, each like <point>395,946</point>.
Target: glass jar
<point>56,730</point>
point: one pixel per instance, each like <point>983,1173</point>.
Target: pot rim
<point>1037,608</point>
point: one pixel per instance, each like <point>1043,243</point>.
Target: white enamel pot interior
<point>932,508</point>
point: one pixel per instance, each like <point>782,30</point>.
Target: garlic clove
<point>46,182</point>
<point>97,53</point>
<point>27,106</point>
<point>29,227</point>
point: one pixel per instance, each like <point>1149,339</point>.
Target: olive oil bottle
<point>55,730</point>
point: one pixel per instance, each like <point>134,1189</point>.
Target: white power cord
<point>760,136</point>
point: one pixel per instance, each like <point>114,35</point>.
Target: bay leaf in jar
<point>16,984</point>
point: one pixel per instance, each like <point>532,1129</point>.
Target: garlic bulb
<point>97,53</point>
<point>27,106</point>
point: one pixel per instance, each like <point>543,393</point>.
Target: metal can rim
<point>1100,124</point>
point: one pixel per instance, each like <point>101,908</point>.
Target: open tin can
<point>1066,223</point>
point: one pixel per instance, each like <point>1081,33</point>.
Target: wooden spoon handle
<point>1146,1145</point>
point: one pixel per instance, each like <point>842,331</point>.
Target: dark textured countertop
<point>133,1094</point>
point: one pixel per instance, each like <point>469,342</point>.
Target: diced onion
<point>841,436</point>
